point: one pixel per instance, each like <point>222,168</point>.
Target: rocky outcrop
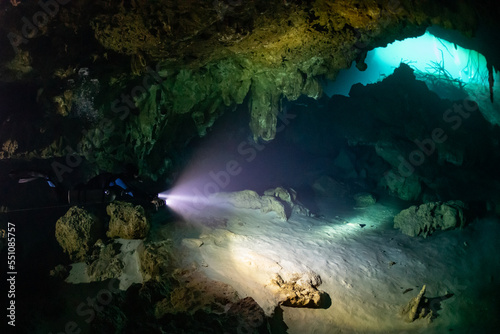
<point>194,293</point>
<point>127,221</point>
<point>289,198</point>
<point>249,199</point>
<point>299,290</point>
<point>185,302</point>
<point>363,200</point>
<point>425,219</point>
<point>76,232</point>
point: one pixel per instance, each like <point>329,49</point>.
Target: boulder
<point>363,200</point>
<point>127,221</point>
<point>76,232</point>
<point>423,220</point>
<point>298,290</point>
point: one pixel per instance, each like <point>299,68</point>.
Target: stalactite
<point>491,80</point>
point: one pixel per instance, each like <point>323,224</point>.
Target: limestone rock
<point>289,199</point>
<point>423,220</point>
<point>417,308</point>
<point>127,221</point>
<point>156,259</point>
<point>8,149</point>
<point>196,292</point>
<point>76,232</point>
<point>298,290</point>
<point>107,264</point>
<point>249,199</point>
<point>364,200</point>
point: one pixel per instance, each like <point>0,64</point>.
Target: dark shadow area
<point>434,304</point>
<point>276,322</point>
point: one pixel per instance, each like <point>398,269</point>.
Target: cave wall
<point>399,137</point>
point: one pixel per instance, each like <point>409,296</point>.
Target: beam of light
<point>188,202</point>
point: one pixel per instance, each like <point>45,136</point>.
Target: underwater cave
<point>281,166</point>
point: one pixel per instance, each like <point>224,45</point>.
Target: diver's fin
<point>28,176</point>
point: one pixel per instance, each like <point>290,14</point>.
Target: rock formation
<point>170,70</point>
<point>184,302</point>
<point>195,292</point>
<point>298,290</point>
<point>76,232</point>
<point>127,221</point>
<point>425,219</point>
<point>156,259</point>
<point>105,264</point>
<point>417,308</point>
<point>249,199</point>
<point>289,198</point>
<point>363,200</point>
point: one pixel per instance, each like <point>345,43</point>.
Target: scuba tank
<point>86,196</point>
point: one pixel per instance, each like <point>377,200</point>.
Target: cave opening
<point>448,69</point>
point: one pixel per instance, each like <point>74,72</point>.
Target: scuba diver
<point>103,188</point>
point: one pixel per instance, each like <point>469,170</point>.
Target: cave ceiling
<point>130,81</point>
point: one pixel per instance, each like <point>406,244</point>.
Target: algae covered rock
<point>76,232</point>
<point>364,200</point>
<point>127,221</point>
<point>425,219</point>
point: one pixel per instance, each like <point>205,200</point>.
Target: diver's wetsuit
<point>107,187</point>
<point>103,188</point>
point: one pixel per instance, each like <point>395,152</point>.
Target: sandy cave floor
<point>366,271</point>
<point>356,265</point>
